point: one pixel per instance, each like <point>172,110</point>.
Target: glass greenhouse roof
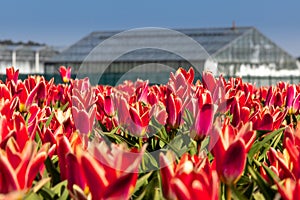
<point>211,39</point>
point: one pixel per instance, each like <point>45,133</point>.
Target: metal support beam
<point>37,61</point>
<point>14,58</point>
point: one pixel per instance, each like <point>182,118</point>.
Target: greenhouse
<point>230,48</point>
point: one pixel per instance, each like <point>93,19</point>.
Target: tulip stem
<point>141,145</point>
<point>198,147</point>
<point>228,192</point>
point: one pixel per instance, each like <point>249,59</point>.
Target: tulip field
<point>188,139</point>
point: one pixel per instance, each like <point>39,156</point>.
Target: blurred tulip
<point>290,190</point>
<point>292,99</point>
<point>209,81</point>
<point>191,178</point>
<point>12,74</point>
<point>267,119</point>
<point>65,73</point>
<point>19,167</point>
<point>102,172</point>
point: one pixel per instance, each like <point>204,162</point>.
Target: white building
<point>28,58</point>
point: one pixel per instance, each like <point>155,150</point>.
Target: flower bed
<point>207,139</point>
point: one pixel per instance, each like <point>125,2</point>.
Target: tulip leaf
<point>188,118</point>
<point>245,186</point>
<point>204,143</point>
<point>52,171</point>
<point>33,196</point>
<point>237,194</point>
<point>153,189</point>
<point>258,196</point>
<point>261,183</point>
<point>256,147</point>
<point>49,120</point>
<point>64,106</point>
<point>143,180</point>
<point>60,189</point>
<point>269,172</point>
<point>149,161</point>
<point>40,184</point>
<point>274,143</point>
<point>47,193</point>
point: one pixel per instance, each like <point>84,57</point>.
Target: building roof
<point>211,39</point>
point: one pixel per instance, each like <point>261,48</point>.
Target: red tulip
<point>203,122</point>
<point>65,73</point>
<point>267,119</point>
<point>83,106</point>
<point>37,95</point>
<point>181,82</point>
<point>106,172</point>
<point>209,81</point>
<point>279,163</point>
<point>173,107</point>
<point>140,118</point>
<point>11,74</point>
<point>232,167</point>
<point>292,99</point>
<point>229,141</point>
<point>4,92</point>
<point>22,93</point>
<point>19,167</point>
<point>188,75</point>
<point>191,178</point>
<point>290,190</point>
<point>159,113</point>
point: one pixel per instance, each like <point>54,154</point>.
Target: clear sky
<point>64,22</point>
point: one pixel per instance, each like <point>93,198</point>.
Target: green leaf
<point>270,173</point>
<point>49,120</point>
<point>237,195</point>
<point>32,196</point>
<point>152,189</point>
<point>149,161</point>
<point>40,184</point>
<point>258,196</point>
<point>47,193</point>
<point>52,171</point>
<point>142,181</point>
<point>261,183</point>
<point>64,106</point>
<point>259,144</point>
<point>61,190</point>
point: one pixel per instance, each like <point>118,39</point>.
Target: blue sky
<point>64,22</point>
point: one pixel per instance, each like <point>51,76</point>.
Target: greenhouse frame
<point>228,47</point>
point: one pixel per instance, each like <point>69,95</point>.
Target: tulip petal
<point>266,123</point>
<point>94,175</point>
<point>8,177</point>
<point>204,120</point>
<point>233,166</point>
<point>122,187</point>
<point>73,167</point>
<point>166,172</point>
